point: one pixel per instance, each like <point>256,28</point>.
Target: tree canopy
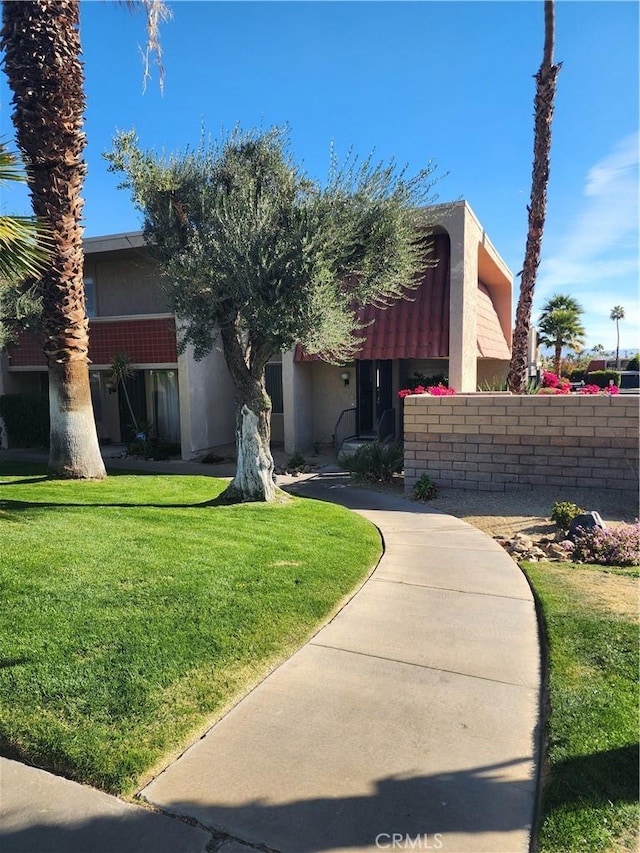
<point>245,237</point>
<point>560,325</point>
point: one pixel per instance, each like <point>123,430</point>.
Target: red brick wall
<point>145,342</point>
<point>502,443</point>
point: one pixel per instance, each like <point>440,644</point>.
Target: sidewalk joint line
<point>421,665</point>
<point>450,589</point>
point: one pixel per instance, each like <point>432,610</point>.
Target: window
<point>162,388</point>
<point>273,381</point>
<point>90,297</point>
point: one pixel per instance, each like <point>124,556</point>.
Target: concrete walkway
<point>408,722</point>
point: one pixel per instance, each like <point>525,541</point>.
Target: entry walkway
<point>409,722</point>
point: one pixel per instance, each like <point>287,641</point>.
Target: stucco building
<point>458,323</point>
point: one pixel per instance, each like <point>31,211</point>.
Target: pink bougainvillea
<point>435,391</point>
<point>589,389</point>
<point>557,384</point>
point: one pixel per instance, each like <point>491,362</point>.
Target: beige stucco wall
<point>473,259</point>
<point>330,397</point>
<point>501,443</point>
<point>207,403</point>
<point>491,371</point>
<point>124,285</point>
<point>297,396</point>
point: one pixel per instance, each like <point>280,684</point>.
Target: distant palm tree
<point>560,326</point>
<point>543,103</point>
<point>617,314</point>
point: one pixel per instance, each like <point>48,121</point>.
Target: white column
<point>463,299</point>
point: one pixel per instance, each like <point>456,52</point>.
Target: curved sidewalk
<point>409,722</point>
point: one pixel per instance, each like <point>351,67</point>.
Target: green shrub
<point>602,378</point>
<point>296,461</point>
<point>375,462</point>
<point>634,363</point>
<point>212,458</point>
<point>425,489</point>
<point>564,512</point>
<point>26,419</point>
<point>426,381</point>
<point>153,448</point>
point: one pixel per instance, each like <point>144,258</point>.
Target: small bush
<point>26,419</point>
<point>564,512</point>
<point>296,461</point>
<point>375,462</point>
<point>424,380</point>
<point>153,448</point>
<point>615,546</point>
<point>634,363</point>
<point>425,489</point>
<point>602,378</point>
<point>212,458</point>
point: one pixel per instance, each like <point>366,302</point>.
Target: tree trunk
<point>557,361</point>
<point>253,480</point>
<point>545,93</point>
<point>74,451</point>
<point>42,61</point>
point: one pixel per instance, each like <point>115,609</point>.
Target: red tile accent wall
<point>144,341</point>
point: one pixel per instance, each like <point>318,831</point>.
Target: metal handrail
<point>386,425</point>
<point>345,428</point>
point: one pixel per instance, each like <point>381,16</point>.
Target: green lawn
<point>590,800</point>
<point>132,613</point>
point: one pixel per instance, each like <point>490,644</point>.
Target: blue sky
<point>450,82</point>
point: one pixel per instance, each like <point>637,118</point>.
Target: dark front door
<point>374,393</point>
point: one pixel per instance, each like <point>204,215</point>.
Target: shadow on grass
<point>465,803</point>
<point>23,482</point>
<point>18,506</point>
<point>596,779</point>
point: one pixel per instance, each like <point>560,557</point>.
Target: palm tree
<point>559,326</point>
<point>617,314</point>
<point>22,239</point>
<point>545,93</point>
<point>41,45</point>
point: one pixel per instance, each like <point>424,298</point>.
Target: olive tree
<point>258,257</point>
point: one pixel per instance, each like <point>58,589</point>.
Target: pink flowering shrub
<point>553,384</point>
<point>440,390</point>
<point>589,389</point>
<point>615,546</point>
<point>435,391</point>
<point>611,389</point>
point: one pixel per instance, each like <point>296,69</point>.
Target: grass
<point>590,799</point>
<point>133,614</point>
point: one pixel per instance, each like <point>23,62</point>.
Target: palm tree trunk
<point>545,93</point>
<point>41,43</point>
<point>617,343</point>
<point>557,361</point>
